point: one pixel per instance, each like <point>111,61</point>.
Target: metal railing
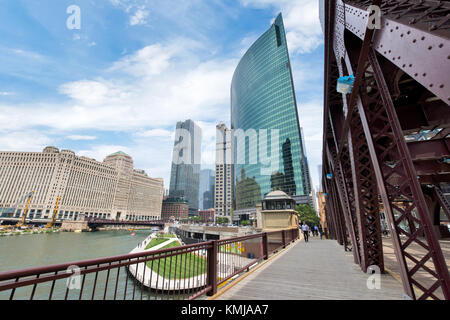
<point>125,222</point>
<point>183,272</point>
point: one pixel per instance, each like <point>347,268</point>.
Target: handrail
<point>189,270</point>
<point>88,262</point>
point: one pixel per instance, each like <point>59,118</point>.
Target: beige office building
<point>111,189</point>
<point>223,192</point>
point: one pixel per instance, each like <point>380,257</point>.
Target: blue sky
<point>135,68</point>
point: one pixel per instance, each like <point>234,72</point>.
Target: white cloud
<point>25,140</point>
<point>87,92</point>
<point>148,61</point>
<point>28,54</point>
<point>139,16</point>
<point>136,10</point>
<point>137,94</point>
<point>99,152</point>
<point>208,142</point>
<point>301,20</point>
<point>311,118</point>
<point>156,133</point>
<point>6,93</point>
<point>81,137</point>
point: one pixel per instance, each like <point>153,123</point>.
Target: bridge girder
<point>401,88</point>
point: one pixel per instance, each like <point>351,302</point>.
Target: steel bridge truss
<point>386,145</point>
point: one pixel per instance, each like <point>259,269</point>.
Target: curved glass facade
<point>262,97</point>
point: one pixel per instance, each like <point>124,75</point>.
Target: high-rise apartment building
<point>186,159</point>
<point>206,193</point>
<point>87,188</point>
<point>224,176</point>
<point>270,155</point>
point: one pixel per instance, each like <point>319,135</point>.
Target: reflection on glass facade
<point>206,191</point>
<point>185,172</point>
<point>262,97</point>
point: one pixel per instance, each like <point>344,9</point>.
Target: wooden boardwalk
<point>319,269</point>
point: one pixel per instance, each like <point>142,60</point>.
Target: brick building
<point>174,208</point>
<point>206,215</point>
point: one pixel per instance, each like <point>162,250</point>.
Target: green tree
<point>245,223</point>
<point>307,214</point>
<point>220,220</point>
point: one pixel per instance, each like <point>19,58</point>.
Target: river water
<point>34,250</point>
<point>23,251</point>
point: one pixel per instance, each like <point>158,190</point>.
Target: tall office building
<point>305,166</point>
<point>223,203</point>
<point>186,159</point>
<point>263,106</point>
<point>111,189</point>
<point>206,193</point>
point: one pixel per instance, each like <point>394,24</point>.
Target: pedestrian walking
<point>316,230</point>
<point>305,230</point>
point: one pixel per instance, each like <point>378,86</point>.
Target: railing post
<point>265,246</point>
<point>283,237</point>
<point>212,269</point>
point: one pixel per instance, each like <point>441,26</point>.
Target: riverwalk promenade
<point>149,278</point>
<point>318,269</point>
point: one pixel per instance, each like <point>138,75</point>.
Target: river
<point>23,251</point>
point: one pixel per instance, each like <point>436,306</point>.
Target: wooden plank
<point>319,269</point>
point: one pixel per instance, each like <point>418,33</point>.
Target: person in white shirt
<point>305,230</point>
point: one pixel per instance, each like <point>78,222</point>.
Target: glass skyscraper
<point>263,97</point>
<point>185,172</point>
<point>206,192</point>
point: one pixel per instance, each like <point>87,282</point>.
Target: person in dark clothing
<point>320,231</point>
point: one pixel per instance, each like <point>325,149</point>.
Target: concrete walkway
<point>157,247</point>
<point>319,269</point>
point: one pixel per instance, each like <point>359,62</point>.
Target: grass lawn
<point>171,245</point>
<point>159,239</point>
<point>155,242</point>
<point>180,266</point>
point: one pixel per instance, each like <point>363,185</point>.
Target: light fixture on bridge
<point>345,84</point>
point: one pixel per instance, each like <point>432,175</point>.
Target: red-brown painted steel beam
<point>409,188</point>
<point>408,45</point>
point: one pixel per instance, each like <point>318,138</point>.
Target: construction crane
<point>24,215</point>
<point>50,224</point>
